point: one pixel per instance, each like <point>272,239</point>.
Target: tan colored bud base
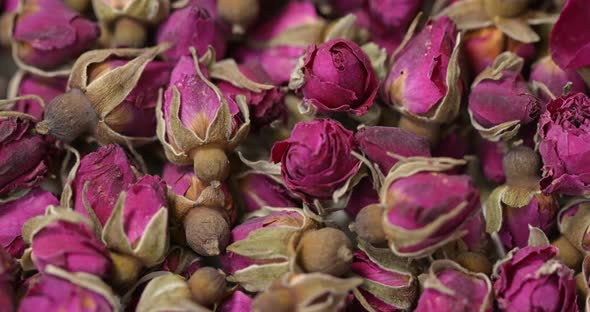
<point>129,33</point>
<point>126,270</point>
<point>326,250</point>
<point>475,262</point>
<point>506,8</point>
<point>207,231</point>
<point>240,12</point>
<point>207,286</point>
<point>568,253</point>
<point>368,225</point>
<point>210,164</point>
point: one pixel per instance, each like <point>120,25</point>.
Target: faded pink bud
<point>490,157</point>
<point>566,50</point>
<point>339,78</point>
<point>49,34</point>
<point>265,106</point>
<point>46,88</point>
<point>547,72</point>
<point>101,177</point>
<point>23,154</point>
<point>531,279</point>
<point>259,190</point>
<point>14,214</point>
<point>432,220</point>
<point>381,145</point>
<point>238,302</point>
<point>72,247</point>
<point>317,159</point>
<point>196,25</point>
<point>563,133</point>
<point>394,13</point>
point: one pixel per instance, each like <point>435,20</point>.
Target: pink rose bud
<point>199,124</point>
<point>496,101</point>
<point>417,80</point>
<point>483,45</point>
<point>338,77</point>
<point>265,106</point>
<point>46,88</point>
<point>14,214</point>
<point>70,246</point>
<point>101,177</point>
<point>259,190</point>
<point>196,25</point>
<point>362,195</point>
<point>571,52</point>
<point>394,13</point>
<point>59,291</point>
<point>547,72</point>
<point>238,302</point>
<point>490,157</point>
<point>416,225</point>
<point>562,133</point>
<point>381,145</point>
<point>385,287</point>
<point>317,159</point>
<point>48,33</point>
<point>23,154</point>
<point>531,279</point>
<point>279,46</point>
<point>8,271</point>
<point>450,287</point>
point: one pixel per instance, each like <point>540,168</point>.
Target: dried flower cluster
<point>294,155</point>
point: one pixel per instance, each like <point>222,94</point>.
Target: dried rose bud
<point>23,154</point>
<point>337,76</point>
<point>182,261</point>
<point>279,42</point>
<point>138,224</point>
<point>305,292</point>
<point>47,46</point>
<point>328,147</point>
<point>394,13</point>
<point>367,224</point>
<point>574,224</point>
<point>561,136</point>
<point>46,88</point>
<point>196,25</point>
<point>362,195</point>
<point>326,250</point>
<point>424,81</point>
<point>381,145</point>
<point>8,270</point>
<point>416,225</point>
<point>207,286</point>
<point>198,125</point>
<point>259,190</point>
<point>15,213</point>
<point>500,101</point>
<point>100,178</point>
<point>207,231</point>
<point>450,287</point>
<point>482,46</point>
<point>265,105</point>
<point>238,302</point>
<point>144,11</point>
<point>168,292</point>
<point>530,279</point>
<point>490,156</point>
<point>259,247</point>
<point>58,290</point>
<point>546,71</point>
<point>69,245</point>
<point>571,52</point>
<point>388,281</point>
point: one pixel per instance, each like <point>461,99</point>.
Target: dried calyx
<point>506,8</point>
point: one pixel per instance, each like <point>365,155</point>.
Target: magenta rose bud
<point>416,225</point>
<point>238,302</point>
<point>378,143</point>
<point>101,177</point>
<point>394,13</point>
<point>490,157</point>
<point>196,25</point>
<point>562,134</point>
<point>46,88</point>
<point>417,80</point>
<point>339,78</point>
<point>530,279</point>
<point>62,291</point>
<point>23,154</point>
<point>571,52</point>
<point>265,106</point>
<point>8,270</point>
<point>317,159</point>
<point>450,287</point>
<point>48,34</point>
<point>547,72</point>
<point>259,191</point>
<point>14,214</point>
<point>70,246</point>
<point>275,48</point>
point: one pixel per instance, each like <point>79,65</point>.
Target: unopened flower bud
<point>207,231</point>
<point>207,286</point>
<point>326,250</point>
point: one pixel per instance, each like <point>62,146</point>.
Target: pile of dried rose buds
<point>295,155</point>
